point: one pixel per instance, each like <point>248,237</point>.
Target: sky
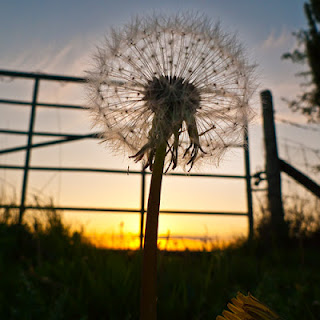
<point>60,37</point>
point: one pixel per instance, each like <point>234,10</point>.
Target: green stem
<point>148,299</point>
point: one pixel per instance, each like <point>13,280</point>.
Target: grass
<point>49,272</point>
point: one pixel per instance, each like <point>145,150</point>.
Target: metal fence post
<point>248,181</point>
<point>28,151</point>
<point>142,206</point>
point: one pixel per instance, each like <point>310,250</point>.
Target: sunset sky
<point>60,37</point>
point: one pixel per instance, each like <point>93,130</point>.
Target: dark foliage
<point>49,272</point>
<point>309,102</point>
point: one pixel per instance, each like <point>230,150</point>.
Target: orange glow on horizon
<point>165,242</point>
<point>176,232</point>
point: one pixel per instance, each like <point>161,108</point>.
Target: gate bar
<point>48,143</point>
<point>248,183</point>
<point>142,205</point>
<point>48,105</point>
<point>50,134</point>
<point>240,214</point>
<point>28,152</point>
<point>79,169</point>
<point>42,76</point>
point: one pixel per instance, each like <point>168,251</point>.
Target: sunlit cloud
<point>51,58</point>
<point>277,40</point>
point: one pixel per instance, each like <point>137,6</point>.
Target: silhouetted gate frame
<point>63,138</point>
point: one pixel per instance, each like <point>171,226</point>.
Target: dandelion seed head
<point>177,79</point>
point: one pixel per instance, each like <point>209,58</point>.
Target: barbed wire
<point>6,79</point>
<point>297,125</point>
<point>298,145</point>
<point>306,154</point>
<point>293,198</point>
<point>301,156</point>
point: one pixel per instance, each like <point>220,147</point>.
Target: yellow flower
<point>247,308</point>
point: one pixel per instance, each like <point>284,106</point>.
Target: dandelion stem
<point>148,302</point>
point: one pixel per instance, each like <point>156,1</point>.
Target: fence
<point>275,165</point>
<point>64,138</point>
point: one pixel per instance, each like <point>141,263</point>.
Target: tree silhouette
<point>308,51</point>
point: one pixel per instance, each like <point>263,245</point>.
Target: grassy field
<point>49,272</point>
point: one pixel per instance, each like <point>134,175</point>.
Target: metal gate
<point>64,138</point>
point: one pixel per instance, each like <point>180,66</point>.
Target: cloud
<point>275,41</point>
<point>67,58</point>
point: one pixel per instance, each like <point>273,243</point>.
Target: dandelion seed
<point>189,74</point>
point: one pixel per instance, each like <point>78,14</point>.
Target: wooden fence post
<point>272,166</point>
